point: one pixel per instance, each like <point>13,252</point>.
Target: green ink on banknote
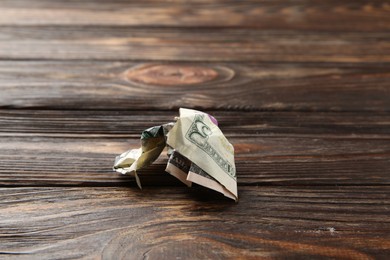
<point>198,133</point>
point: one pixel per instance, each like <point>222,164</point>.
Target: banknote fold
<point>197,149</point>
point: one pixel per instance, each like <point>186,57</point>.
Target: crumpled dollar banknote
<point>197,149</point>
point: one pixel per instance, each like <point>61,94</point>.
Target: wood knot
<point>170,74</point>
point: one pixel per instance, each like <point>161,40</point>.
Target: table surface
<point>301,88</point>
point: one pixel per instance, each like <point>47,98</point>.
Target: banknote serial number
<point>198,133</point>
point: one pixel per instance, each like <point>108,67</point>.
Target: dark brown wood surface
<point>301,88</point>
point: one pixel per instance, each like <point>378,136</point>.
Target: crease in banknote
<point>197,149</point>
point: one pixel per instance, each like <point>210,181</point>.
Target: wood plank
<point>112,124</point>
<point>197,44</point>
<point>42,147</point>
<point>298,15</point>
<point>123,222</point>
<point>269,160</point>
<point>222,86</point>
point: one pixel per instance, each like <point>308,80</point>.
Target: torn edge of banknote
<point>197,149</point>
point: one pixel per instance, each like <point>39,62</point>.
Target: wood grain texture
<point>78,147</point>
<point>279,15</point>
<point>241,124</point>
<point>170,85</point>
<point>301,88</point>
<point>268,222</point>
<point>198,44</point>
<point>284,161</point>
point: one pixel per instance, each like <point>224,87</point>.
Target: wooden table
<point>301,88</point>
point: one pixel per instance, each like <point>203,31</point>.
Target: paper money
<point>196,137</point>
<point>197,149</point>
<point>198,176</point>
<point>152,144</point>
<point>179,167</point>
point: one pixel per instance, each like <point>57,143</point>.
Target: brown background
<point>301,88</point>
